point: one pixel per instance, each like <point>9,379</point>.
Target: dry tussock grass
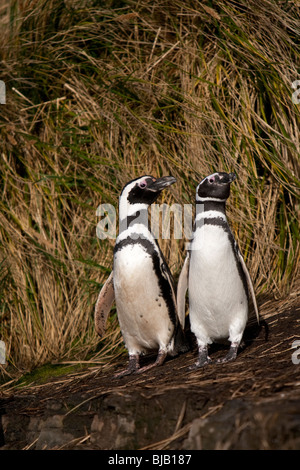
<point>99,95</point>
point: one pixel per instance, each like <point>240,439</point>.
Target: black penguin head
<point>215,187</point>
<point>146,189</point>
<point>143,191</point>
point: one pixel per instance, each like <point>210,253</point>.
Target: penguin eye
<point>211,180</point>
<point>142,184</point>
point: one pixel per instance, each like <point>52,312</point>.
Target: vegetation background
<point>100,92</point>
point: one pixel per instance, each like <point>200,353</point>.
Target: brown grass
<point>97,96</point>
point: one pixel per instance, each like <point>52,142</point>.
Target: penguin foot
<point>123,373</point>
<point>230,356</point>
<point>133,366</point>
<point>159,361</point>
<point>203,358</point>
<point>227,358</point>
<point>200,364</point>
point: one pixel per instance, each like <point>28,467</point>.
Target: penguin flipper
<point>181,290</point>
<point>166,273</point>
<point>103,305</point>
<point>250,285</point>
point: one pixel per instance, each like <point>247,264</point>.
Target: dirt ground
<point>252,403</point>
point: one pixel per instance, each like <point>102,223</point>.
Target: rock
<point>50,432</point>
<point>244,424</point>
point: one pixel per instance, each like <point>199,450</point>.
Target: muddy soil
<point>252,403</point>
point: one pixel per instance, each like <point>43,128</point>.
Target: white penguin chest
<point>142,311</point>
<point>134,276</point>
<point>212,251</point>
<point>216,292</point>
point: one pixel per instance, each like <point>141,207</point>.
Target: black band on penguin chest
<point>218,206</point>
<point>159,265</point>
<point>140,217</point>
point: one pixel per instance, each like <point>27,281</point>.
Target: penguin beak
<point>232,177</point>
<point>161,183</point>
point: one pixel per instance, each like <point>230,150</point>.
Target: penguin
<point>215,274</point>
<point>141,283</point>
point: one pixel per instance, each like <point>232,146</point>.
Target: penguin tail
<point>181,344</point>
